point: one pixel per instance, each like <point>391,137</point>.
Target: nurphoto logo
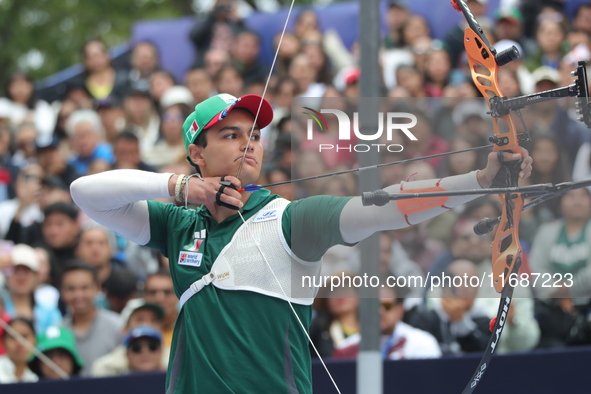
<point>389,122</point>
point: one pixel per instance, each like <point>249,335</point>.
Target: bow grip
<point>508,175</point>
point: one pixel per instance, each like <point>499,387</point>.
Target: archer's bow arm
<point>358,222</point>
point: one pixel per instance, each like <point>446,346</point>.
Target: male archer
<point>232,260</point>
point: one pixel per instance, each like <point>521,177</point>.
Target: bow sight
<point>501,106</point>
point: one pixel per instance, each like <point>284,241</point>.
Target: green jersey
<point>239,341</point>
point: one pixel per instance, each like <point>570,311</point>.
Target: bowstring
<point>256,116</point>
<point>244,222</point>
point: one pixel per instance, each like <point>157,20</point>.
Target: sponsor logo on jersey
<point>268,214</point>
<point>190,258</point>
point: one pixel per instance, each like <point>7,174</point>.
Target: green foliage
<point>45,36</point>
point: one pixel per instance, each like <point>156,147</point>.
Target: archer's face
<point>226,142</point>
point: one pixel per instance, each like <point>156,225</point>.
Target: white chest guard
<point>241,266</point>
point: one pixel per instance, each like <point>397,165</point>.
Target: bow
<point>484,62</point>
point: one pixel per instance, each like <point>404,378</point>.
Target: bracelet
<point>177,188</point>
<point>185,196</point>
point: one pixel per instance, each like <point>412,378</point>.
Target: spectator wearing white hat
<point>550,118</point>
<point>22,280</point>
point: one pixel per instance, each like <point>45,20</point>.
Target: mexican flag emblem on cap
<point>193,129</point>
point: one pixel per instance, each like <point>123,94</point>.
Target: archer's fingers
<point>235,181</point>
<point>526,166</point>
<point>231,200</point>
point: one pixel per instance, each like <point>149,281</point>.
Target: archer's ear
<point>196,154</point>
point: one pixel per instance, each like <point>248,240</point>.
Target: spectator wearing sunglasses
<point>144,349</point>
<point>138,313</point>
<point>399,340</point>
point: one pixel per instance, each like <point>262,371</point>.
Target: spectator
<point>61,230</point>
<point>112,117</point>
<point>410,78</point>
<point>139,313</point>
<point>319,60</point>
<point>228,79</point>
<point>158,289</point>
<point>13,365</point>
<point>290,46</point>
<point>437,72</point>
<point>78,93</point>
<point>549,118</point>
<point>95,247</point>
<point>25,208</point>
<point>465,245</point>
<point>509,26</point>
<point>126,148</point>
<point>19,299</point>
<point>67,107</point>
<point>144,349</point>
<point>144,61</point>
<point>217,30</point>
<point>455,320</point>
<point>170,148</point>
<point>336,318</point>
<point>86,133</point>
<point>59,345</point>
<point>582,19</point>
<point>97,331</point>
<point>396,15</point>
<point>24,105</point>
<point>25,136</point>
<point>53,190</point>
<point>462,163</point>
<point>200,83</point>
<point>51,158</point>
<point>120,287</point>
<point>245,53</point>
<point>100,78</point>
<point>160,82</point>
<point>399,340</point>
<point>304,74</point>
<point>279,174</point>
<point>414,244</point>
<point>427,142</point>
<point>551,167</point>
<point>306,23</point>
<point>215,59</point>
<point>142,117</point>
<point>562,248</point>
<point>550,36</point>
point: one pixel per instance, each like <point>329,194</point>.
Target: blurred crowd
<point>96,304</point>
